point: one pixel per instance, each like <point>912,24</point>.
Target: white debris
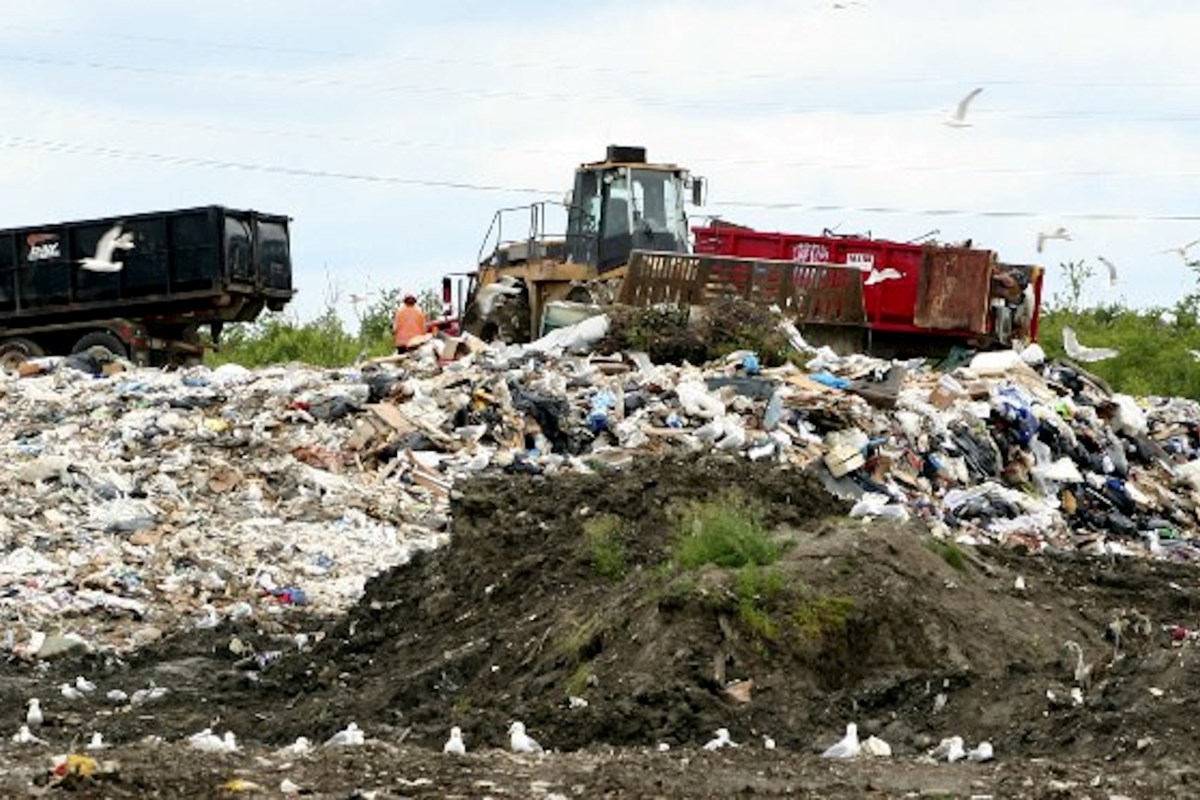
<point>981,752</point>
<point>876,747</point>
<point>720,740</point>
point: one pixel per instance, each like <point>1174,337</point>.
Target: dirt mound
<point>574,587</point>
<point>855,621</point>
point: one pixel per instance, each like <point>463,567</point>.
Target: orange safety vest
<point>410,323</point>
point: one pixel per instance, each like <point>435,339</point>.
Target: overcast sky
<point>353,117</point>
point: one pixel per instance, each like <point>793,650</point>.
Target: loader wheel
<point>103,340</point>
<point>17,350</point>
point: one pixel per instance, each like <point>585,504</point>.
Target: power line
<point>572,97</point>
<point>607,70</point>
<point>209,163</point>
<point>293,134</point>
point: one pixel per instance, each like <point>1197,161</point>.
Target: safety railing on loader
<point>830,294</point>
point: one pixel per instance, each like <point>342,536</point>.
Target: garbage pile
<point>140,501</point>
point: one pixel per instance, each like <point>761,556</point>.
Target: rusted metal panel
<point>954,289</point>
<point>823,293</point>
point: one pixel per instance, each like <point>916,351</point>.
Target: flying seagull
<point>112,240</point>
<point>1182,250</point>
<point>357,300</point>
<point>959,118</point>
<point>1112,270</point>
<point>1057,233</point>
<point>1086,354</point>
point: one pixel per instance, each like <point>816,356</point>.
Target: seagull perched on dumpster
<point>959,118</point>
<point>112,241</point>
<point>1058,233</point>
<point>848,747</point>
<point>1086,354</point>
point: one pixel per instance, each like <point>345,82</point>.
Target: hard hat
<point>410,296</point>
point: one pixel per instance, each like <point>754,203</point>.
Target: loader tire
<point>17,350</point>
<point>103,340</point>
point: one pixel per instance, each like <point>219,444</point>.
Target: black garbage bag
<point>551,414</point>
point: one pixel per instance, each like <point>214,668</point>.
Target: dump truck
<point>628,241</point>
<point>141,286</point>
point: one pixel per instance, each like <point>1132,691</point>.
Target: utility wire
<point>605,70</point>
<point>517,95</point>
<point>210,163</point>
<point>293,134</point>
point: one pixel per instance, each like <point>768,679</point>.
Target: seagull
<point>1058,233</point>
<point>84,685</point>
<point>486,297</point>
<point>34,715</point>
<point>848,747</point>
<point>950,749</point>
<point>117,696</point>
<point>357,300</point>
<point>879,276</point>
<point>24,736</point>
<point>299,747</point>
<point>454,745</point>
<point>1112,270</point>
<point>1182,250</point>
<point>1086,354</point>
<point>208,742</point>
<point>521,742</point>
<point>959,118</point>
<point>96,742</point>
<point>722,740</point>
<point>70,692</point>
<point>983,752</point>
<point>350,737</point>
<point>768,742</point>
<point>1082,673</point>
<point>112,240</point>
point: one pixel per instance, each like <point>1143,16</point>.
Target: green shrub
<point>756,591</point>
<point>950,552</point>
<point>605,538</point>
<point>821,615</point>
<point>726,531</point>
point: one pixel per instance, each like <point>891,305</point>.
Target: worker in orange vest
<point>409,327</point>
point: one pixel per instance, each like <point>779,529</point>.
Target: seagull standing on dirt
<point>950,749</point>
<point>982,752</point>
<point>25,736</point>
<point>96,742</point>
<point>454,745</point>
<point>350,737</point>
<point>1082,673</point>
<point>112,240</point>
<point>1058,233</point>
<point>521,742</point>
<point>848,747</point>
<point>1112,270</point>
<point>722,740</point>
<point>70,692</point>
<point>959,118</point>
<point>1086,354</point>
<point>34,715</point>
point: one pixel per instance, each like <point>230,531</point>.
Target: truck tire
<point>102,339</point>
<point>14,351</point>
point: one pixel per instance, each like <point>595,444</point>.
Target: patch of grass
<point>949,552</point>
<point>821,615</point>
<point>727,532</point>
<point>583,640</point>
<point>756,591</point>
<point>605,538</point>
<point>579,681</point>
<point>462,704</point>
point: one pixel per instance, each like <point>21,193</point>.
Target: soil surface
<point>522,617</point>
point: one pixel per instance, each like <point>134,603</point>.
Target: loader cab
<point>623,204</point>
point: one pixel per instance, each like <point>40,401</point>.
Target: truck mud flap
<point>810,293</point>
